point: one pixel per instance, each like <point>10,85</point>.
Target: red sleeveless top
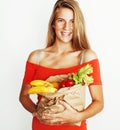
<point>34,71</point>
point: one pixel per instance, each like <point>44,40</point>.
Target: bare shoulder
<point>33,56</point>
<point>90,55</point>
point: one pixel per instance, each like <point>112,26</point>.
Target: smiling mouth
<point>66,34</point>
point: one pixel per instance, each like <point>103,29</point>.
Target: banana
<point>41,89</point>
<point>41,86</point>
<point>35,83</point>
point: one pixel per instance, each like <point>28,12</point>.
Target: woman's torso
<point>43,73</point>
<point>53,67</point>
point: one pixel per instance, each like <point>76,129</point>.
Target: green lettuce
<point>82,76</point>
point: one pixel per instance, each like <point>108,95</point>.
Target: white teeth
<point>66,33</point>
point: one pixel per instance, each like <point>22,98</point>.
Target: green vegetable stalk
<point>82,76</point>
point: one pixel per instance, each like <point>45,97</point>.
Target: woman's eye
<point>72,21</point>
<point>60,20</point>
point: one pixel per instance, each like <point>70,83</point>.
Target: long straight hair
<point>79,40</point>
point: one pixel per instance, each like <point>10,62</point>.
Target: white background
<point>23,27</point>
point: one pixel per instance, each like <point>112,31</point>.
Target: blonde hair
<point>79,41</point>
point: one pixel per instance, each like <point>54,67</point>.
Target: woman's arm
<point>97,103</point>
<point>25,100</point>
<point>96,93</point>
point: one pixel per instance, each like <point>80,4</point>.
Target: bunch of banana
<point>41,86</point>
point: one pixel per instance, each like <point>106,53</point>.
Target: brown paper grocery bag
<point>74,96</point>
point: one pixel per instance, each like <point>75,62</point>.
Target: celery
<point>82,76</point>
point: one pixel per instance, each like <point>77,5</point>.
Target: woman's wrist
<point>34,114</point>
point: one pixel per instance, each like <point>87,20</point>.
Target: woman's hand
<point>68,116</point>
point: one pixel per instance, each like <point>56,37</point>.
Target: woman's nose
<point>67,25</point>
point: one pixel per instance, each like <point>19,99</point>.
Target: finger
<point>66,105</point>
<point>49,116</point>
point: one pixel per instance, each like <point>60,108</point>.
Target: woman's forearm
<point>94,108</point>
<point>25,100</point>
<point>28,103</point>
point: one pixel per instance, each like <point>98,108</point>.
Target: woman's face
<point>63,25</point>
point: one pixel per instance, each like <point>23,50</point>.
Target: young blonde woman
<point>67,51</point>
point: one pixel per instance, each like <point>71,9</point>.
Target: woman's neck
<point>62,47</point>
